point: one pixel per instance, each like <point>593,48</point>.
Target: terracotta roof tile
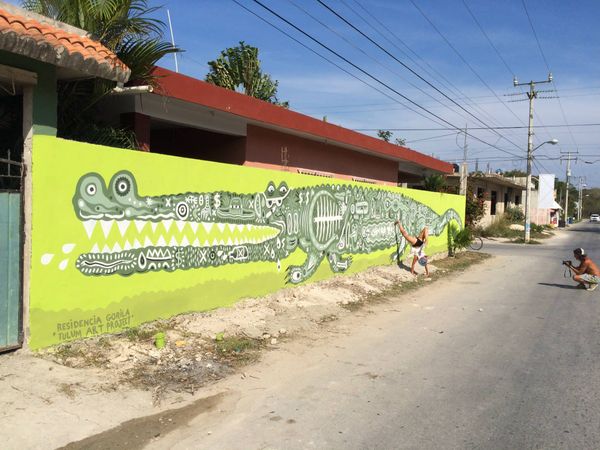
<point>29,37</point>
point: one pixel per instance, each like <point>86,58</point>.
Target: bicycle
<point>476,243</point>
<point>464,238</point>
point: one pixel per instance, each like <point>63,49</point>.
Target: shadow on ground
<point>563,286</point>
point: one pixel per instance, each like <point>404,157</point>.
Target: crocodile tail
<point>445,219</point>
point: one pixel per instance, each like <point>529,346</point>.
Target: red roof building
<point>188,117</point>
<point>63,46</point>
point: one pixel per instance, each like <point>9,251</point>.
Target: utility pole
<point>532,94</point>
<point>464,168</point>
<point>568,175</point>
<point>582,181</point>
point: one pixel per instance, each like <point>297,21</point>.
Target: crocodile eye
<point>91,189</point>
<point>283,189</point>
<point>296,275</point>
<point>122,186</point>
<point>271,189</point>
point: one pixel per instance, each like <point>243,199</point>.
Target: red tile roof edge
<point>183,87</point>
<point>39,40</point>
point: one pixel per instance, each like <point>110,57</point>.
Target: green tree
<point>238,69</point>
<point>474,207</point>
<point>591,202</point>
<point>386,135</point>
<point>125,27</point>
<point>515,173</point>
<point>434,183</point>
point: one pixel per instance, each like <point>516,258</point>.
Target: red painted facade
<point>270,148</point>
<point>275,137</point>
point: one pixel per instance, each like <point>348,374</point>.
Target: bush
<point>458,239</point>
<point>514,214</point>
<point>535,228</point>
<point>499,228</point>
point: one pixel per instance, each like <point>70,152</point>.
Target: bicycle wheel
<point>476,243</point>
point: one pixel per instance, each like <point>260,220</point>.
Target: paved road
<point>506,356</point>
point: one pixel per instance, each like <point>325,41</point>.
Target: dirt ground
<point>83,381</point>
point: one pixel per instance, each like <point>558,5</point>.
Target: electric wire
<point>347,61</point>
<point>547,67</point>
<point>334,63</point>
<point>323,24</point>
<point>463,59</point>
<point>484,128</point>
<point>407,67</point>
<point>440,77</point>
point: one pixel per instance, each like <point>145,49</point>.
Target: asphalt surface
<point>505,356</point>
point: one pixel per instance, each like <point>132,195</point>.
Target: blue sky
<point>475,74</point>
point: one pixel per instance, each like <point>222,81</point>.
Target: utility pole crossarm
<point>532,94</point>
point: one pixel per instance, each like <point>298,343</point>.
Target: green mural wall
<point>123,237</point>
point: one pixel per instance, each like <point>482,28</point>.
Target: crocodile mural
<point>329,221</point>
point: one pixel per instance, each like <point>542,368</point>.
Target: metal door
<point>10,270</point>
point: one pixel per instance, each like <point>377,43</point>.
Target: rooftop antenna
<point>172,40</point>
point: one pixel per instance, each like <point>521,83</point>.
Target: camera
<point>567,263</point>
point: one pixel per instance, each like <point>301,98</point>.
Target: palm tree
<point>238,69</point>
<point>434,183</point>
<point>126,28</point>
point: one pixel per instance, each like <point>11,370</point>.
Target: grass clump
<point>236,344</point>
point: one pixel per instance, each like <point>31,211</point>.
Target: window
<point>480,192</point>
<point>494,199</point>
<point>517,200</point>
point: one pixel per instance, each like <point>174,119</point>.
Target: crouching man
<point>587,273</point>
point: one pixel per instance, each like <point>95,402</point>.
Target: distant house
<point>184,116</point>
<point>497,192</point>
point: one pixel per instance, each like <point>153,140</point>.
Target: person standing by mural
<point>418,247</point>
<point>586,272</point>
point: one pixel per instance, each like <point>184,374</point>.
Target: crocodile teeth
<point>90,226</point>
<point>127,246</point>
<point>95,249</point>
<point>173,242</point>
<point>161,242</point>
<point>194,226</point>
<point>123,226</point>
<point>167,224</point>
<point>148,242</point>
<point>139,224</point>
<point>231,227</point>
<point>221,226</point>
<point>180,224</point>
<point>106,226</point>
<point>136,244</point>
<point>153,225</point>
<point>207,226</point>
<point>184,242</point>
<point>196,243</point>
<point>117,248</point>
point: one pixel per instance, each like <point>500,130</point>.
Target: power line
<point>447,83</point>
<point>347,61</point>
<point>407,67</point>
<point>332,62</point>
<point>508,68</point>
<point>547,67</point>
<point>462,58</point>
<point>323,24</point>
<point>482,128</point>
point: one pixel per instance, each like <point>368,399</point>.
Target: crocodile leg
<point>298,274</point>
<point>338,263</point>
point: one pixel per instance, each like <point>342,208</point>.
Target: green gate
<point>10,270</point>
